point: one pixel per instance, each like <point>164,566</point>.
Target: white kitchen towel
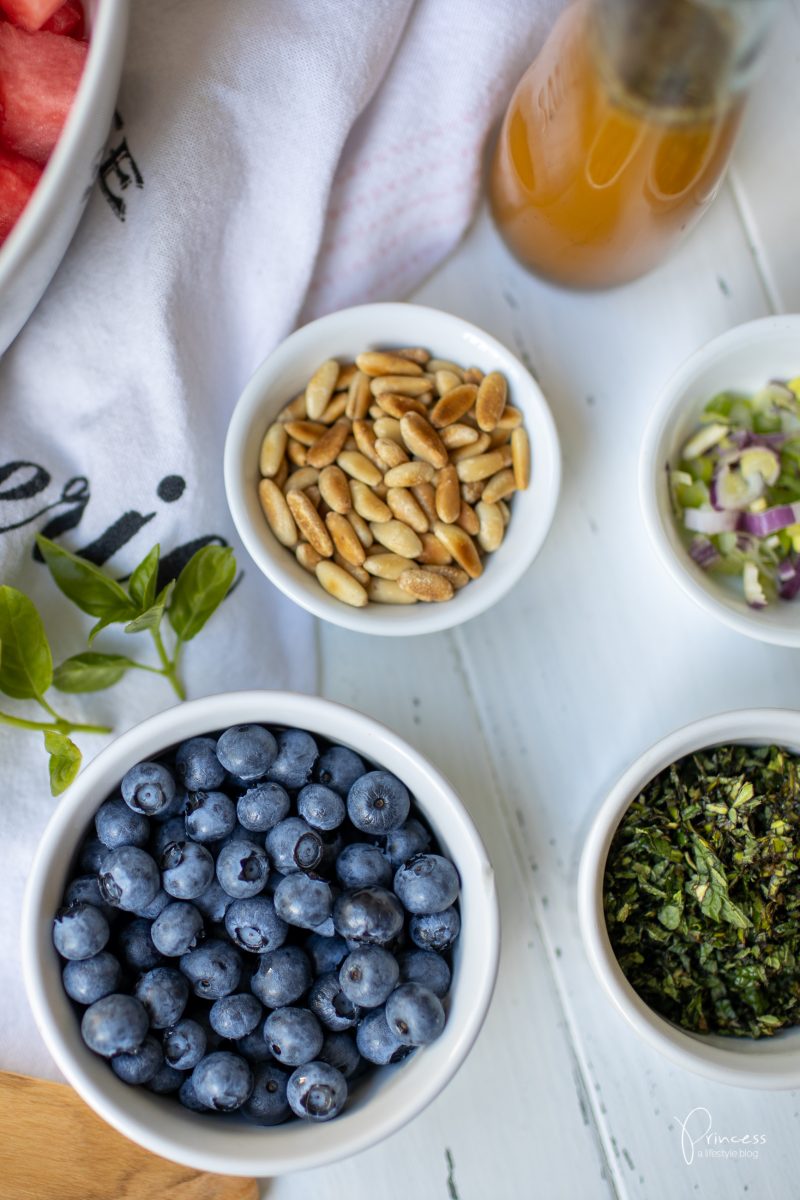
<point>269,162</point>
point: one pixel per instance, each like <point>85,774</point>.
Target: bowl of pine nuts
<point>392,469</point>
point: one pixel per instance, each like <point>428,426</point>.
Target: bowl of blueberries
<point>260,933</point>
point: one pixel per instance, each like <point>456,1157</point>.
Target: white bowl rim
<point>358,1130</point>
<point>751,1068</point>
<point>710,597</point>
<point>111,14</point>
<point>479,594</point>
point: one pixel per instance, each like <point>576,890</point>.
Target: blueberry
<point>403,843</point>
<point>91,855</point>
<point>262,806</point>
<point>213,969</point>
<point>425,967</point>
<point>172,830</point>
<point>184,1044</point>
<point>340,1050</point>
<point>79,931</point>
<point>86,888</point>
<point>293,1035</point>
<point>247,751</point>
<point>166,1080</point>
<point>116,825</point>
<point>175,808</point>
<point>187,869</point>
<point>188,1097</point>
<point>115,1024</point>
<point>140,1065</point>
<point>339,768</point>
<point>197,765</point>
<point>414,1014</point>
<point>369,975</point>
<point>209,816</point>
<point>378,802</point>
<point>293,845</point>
<point>317,1091</point>
<point>326,929</point>
<point>92,978</point>
<point>303,900</point>
<point>268,1104</point>
<point>297,753</point>
<point>136,946</point>
<point>253,924</point>
<point>282,977</point>
<point>163,991</point>
<point>368,915</point>
<point>237,834</point>
<point>128,878</point>
<point>254,1048</point>
<point>320,806</point>
<point>360,865</point>
<point>213,902</point>
<point>148,788</point>
<point>177,929</point>
<point>235,1016</point>
<point>376,1042</point>
<point>222,1081</point>
<point>330,1005</point>
<point>242,869</point>
<point>435,931</point>
<point>155,907</point>
<point>427,883</point>
<point>326,953</point>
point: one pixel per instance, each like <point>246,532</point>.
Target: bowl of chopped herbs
<point>689,897</point>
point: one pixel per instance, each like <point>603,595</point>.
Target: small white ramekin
<point>769,1063</point>
<point>343,335</point>
<point>381,1105</point>
<point>744,358</point>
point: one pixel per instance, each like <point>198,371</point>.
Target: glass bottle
<point>617,137</point>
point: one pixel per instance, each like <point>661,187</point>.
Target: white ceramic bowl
<point>343,335</point>
<point>379,1106</point>
<point>37,243</point>
<point>743,358</point>
<point>772,1063</point>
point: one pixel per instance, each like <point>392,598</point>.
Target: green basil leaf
<point>65,761</point>
<point>86,585</point>
<point>142,583</point>
<point>151,619</point>
<point>90,672</point>
<point>26,667</point>
<point>201,587</point>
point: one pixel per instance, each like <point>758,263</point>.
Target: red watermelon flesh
<point>29,14</point>
<point>39,75</point>
<point>67,20</point>
<point>18,178</point>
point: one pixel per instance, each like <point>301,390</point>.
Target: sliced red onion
<point>753,591</point>
<point>708,521</point>
<point>704,552</point>
<point>788,573</point>
<point>771,520</point>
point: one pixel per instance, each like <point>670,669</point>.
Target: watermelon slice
<point>18,178</point>
<point>67,20</point>
<point>29,14</point>
<point>39,75</point>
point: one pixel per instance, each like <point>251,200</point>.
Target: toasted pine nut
<point>375,412</point>
<point>492,529</point>
<point>482,466</point>
<point>282,474</point>
<point>457,577</point>
<point>505,510</point>
<point>305,432</point>
<point>363,531</point>
<point>521,458</point>
<point>473,375</point>
<point>425,496</point>
<point>467,519</point>
<point>426,585</point>
<point>453,405</point>
<point>306,477</point>
<point>354,463</point>
<point>433,551</point>
<point>422,440</point>
<point>334,489</point>
<point>479,446</point>
<point>345,539</point>
<point>398,406</point>
<point>499,437</point>
<point>367,504</point>
<point>340,584</point>
<point>359,397</point>
<point>461,546</point>
<point>386,566</point>
<point>406,509</point>
<point>345,376</point>
<point>499,486</point>
<point>397,537</point>
<point>387,591</point>
<point>472,492</point>
<point>390,454</point>
<point>314,495</point>
<point>510,419</point>
<point>335,409</point>
<point>403,385</point>
<point>448,496</point>
<point>295,453</point>
<point>491,401</point>
<point>444,364</point>
<point>388,428</point>
<point>364,434</point>
<point>352,569</point>
<point>307,556</point>
<point>408,474</point>
<point>324,452</point>
<point>415,353</point>
<point>295,410</point>
<point>320,388</point>
<point>380,362</point>
<point>446,381</point>
<point>279,517</point>
<point>273,448</point>
<point>309,522</point>
<point>456,436</point>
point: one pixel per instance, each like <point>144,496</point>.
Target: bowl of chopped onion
<point>719,478</point>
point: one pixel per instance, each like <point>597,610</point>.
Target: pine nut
<point>510,419</point>
<point>426,585</point>
<point>473,375</point>
<point>324,452</point>
<point>491,400</point>
<point>305,432</point>
<point>499,437</point>
<point>365,437</point>
<point>461,546</point>
<point>521,458</point>
<point>456,436</point>
<point>381,362</point>
<point>309,522</point>
<point>306,477</point>
<point>345,376</point>
<point>433,551</point>
<point>406,509</point>
<point>479,446</point>
<point>403,385</point>
<point>397,406</point>
<point>444,364</point>
<point>467,519</point>
<point>499,486</point>
<point>386,566</point>
<point>472,492</point>
<point>273,448</point>
<point>276,510</point>
<point>387,591</point>
<point>448,496</point>
<point>409,474</point>
<point>335,409</point>
<point>359,397</point>
<point>425,496</point>
<point>416,353</point>
<point>341,585</point>
<point>363,531</point>
<point>307,556</point>
<point>357,572</point>
<point>457,577</point>
<point>345,539</point>
<point>397,537</point>
<point>295,410</point>
<point>367,504</point>
<point>492,529</point>
<point>320,387</point>
<point>354,463</point>
<point>315,496</point>
<point>453,405</point>
<point>446,381</point>
<point>334,489</point>
<point>296,453</point>
<point>482,466</point>
<point>505,510</point>
<point>282,474</point>
<point>390,454</point>
<point>388,428</point>
<point>422,440</point>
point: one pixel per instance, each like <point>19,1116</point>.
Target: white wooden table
<point>535,708</point>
